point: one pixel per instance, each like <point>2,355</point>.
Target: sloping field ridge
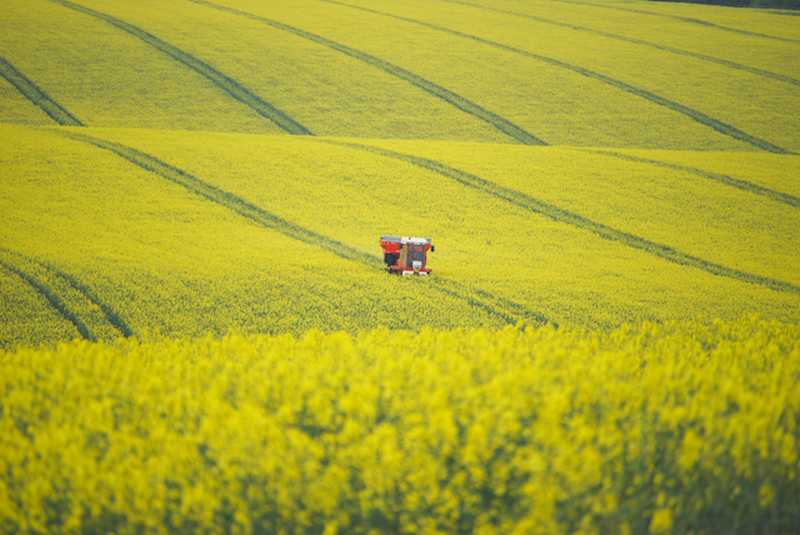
<point>500,123</point>
<point>664,48</point>
<point>738,183</point>
<point>498,307</point>
<point>700,117</point>
<point>690,20</point>
<point>555,213</point>
<point>52,298</point>
<point>39,98</point>
<point>222,81</point>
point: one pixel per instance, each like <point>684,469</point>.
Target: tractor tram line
<point>496,306</point>
<point>635,41</point>
<point>555,213</point>
<point>36,95</point>
<point>744,185</point>
<point>462,103</point>
<point>110,315</point>
<point>696,115</point>
<point>690,20</point>
<point>231,87</point>
<point>52,298</point>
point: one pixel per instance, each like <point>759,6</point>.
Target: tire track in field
<point>76,284</point>
<point>52,298</point>
<point>222,81</point>
<point>28,89</point>
<point>738,183</point>
<point>532,204</point>
<point>467,106</point>
<point>495,306</point>
<point>698,116</point>
<point>664,48</point>
<point>683,19</point>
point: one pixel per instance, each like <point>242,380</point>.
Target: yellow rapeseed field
<point>672,428</point>
<point>516,72</point>
<point>198,333</point>
<point>156,252</point>
<point>108,78</point>
<point>165,259</point>
<point>729,93</point>
<point>667,23</point>
<point>15,109</point>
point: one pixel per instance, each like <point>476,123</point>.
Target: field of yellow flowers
<point>672,428</point>
<point>479,70</point>
<point>197,333</point>
<point>110,232</point>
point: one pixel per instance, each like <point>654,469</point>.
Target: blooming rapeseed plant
<point>663,428</point>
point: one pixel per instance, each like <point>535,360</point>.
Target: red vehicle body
<point>405,255</point>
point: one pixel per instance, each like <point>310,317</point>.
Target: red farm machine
<point>406,255</point>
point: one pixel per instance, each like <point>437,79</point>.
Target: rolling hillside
<point>198,333</point>
<point>202,166</point>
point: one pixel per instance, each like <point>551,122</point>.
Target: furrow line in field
<point>268,220</point>
<point>683,19</point>
<point>664,48</point>
<point>738,183</point>
<point>52,298</point>
<point>36,95</point>
<point>700,117</point>
<point>79,286</point>
<point>532,204</point>
<point>222,81</point>
<point>516,308</point>
<point>462,103</point>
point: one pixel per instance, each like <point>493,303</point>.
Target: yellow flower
<point>690,450</point>
<point>661,521</point>
<point>765,495</point>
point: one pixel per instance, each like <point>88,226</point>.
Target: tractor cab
<point>406,255</point>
